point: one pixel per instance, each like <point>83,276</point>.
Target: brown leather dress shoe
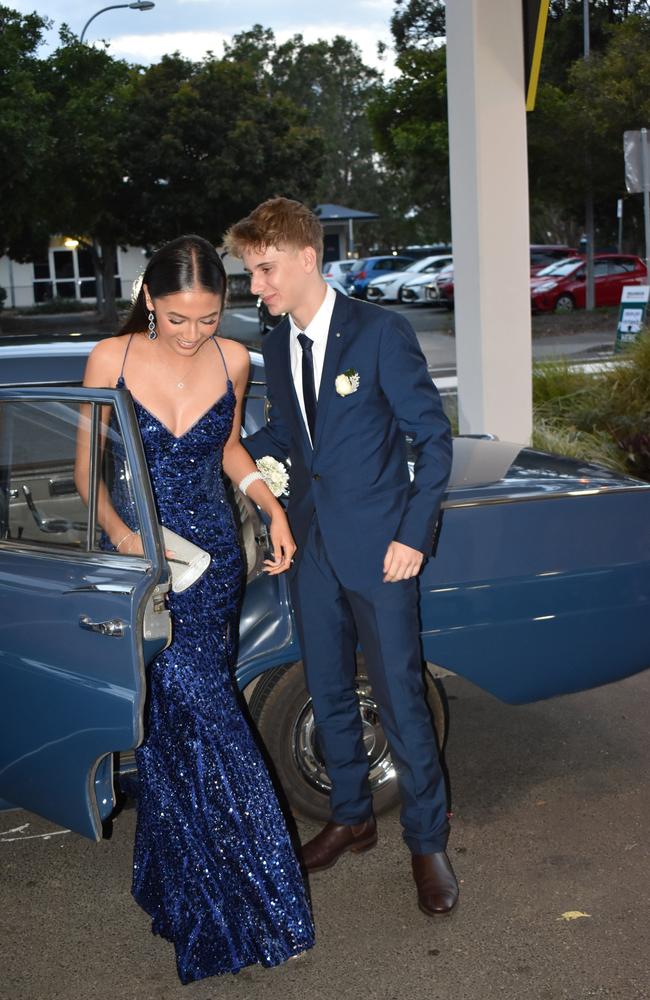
<point>436,883</point>
<point>324,850</point>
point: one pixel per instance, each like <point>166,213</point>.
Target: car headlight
<point>545,286</point>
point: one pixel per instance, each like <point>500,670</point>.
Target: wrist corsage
<point>275,475</point>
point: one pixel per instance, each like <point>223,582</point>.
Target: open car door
<point>78,620</point>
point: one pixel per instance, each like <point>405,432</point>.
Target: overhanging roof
<point>334,213</point>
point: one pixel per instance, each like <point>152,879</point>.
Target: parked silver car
<point>389,287</point>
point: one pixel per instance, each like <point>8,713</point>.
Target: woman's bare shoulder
<point>236,355</point>
<point>105,361</point>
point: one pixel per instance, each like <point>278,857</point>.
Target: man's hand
<point>401,562</point>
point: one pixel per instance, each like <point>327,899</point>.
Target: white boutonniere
<point>347,382</point>
<point>275,475</point>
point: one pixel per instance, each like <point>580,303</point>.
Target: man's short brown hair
<point>274,223</point>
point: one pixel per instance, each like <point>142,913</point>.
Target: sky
<point>195,26</point>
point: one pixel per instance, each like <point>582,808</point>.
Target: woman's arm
<point>99,373</point>
<point>237,464</point>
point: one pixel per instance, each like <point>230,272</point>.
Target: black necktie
<point>308,384</point>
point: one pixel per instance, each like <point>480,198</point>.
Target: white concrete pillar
<point>489,216</point>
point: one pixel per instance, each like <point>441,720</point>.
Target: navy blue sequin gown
<point>213,862</point>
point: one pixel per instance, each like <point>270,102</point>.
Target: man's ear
<point>310,259</point>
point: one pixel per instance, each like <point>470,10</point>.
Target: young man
<point>347,381</point>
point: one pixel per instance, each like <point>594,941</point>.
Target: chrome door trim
<point>528,497</point>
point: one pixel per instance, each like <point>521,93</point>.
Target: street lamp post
<point>137,5</point>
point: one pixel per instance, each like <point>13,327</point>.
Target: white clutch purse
<point>188,562</point>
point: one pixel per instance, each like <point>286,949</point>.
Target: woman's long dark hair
<point>180,265</point>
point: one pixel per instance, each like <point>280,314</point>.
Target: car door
<point>78,620</point>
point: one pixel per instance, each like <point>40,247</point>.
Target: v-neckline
<point>179,437</point>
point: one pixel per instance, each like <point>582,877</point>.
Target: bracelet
<point>124,538</point>
<point>247,480</point>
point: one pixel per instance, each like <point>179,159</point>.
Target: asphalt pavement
<point>434,329</point>
<point>549,839</point>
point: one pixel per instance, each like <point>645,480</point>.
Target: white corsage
<point>275,475</point>
<point>347,382</point>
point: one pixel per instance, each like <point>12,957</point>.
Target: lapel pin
<point>338,335</point>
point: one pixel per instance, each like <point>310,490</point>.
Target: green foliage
<point>601,417</point>
<point>583,122</point>
<point>409,120</point>
<point>417,23</point>
<point>24,135</point>
<point>207,142</point>
<point>575,132</point>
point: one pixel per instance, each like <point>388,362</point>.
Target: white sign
<point>635,293</point>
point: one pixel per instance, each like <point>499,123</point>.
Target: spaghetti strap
<point>120,382</point>
<point>216,344</point>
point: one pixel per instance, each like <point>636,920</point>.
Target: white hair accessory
<point>136,286</point>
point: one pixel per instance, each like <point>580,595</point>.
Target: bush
<point>601,417</point>
<point>53,306</point>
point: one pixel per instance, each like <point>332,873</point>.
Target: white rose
<point>275,475</point>
<point>343,385</point>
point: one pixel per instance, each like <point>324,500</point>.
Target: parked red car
<point>562,286</point>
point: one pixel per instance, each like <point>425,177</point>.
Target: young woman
<point>213,863</point>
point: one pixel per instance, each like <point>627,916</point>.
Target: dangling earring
<point>153,333</point>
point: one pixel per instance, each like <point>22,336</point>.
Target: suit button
<point>315,476</point>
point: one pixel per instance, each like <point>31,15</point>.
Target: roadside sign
<point>631,318</point>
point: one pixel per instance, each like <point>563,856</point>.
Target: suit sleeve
<point>275,438</point>
<point>416,404</point>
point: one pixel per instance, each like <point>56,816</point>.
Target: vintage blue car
<point>539,585</point>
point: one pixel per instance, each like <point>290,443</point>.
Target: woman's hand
<point>282,543</point>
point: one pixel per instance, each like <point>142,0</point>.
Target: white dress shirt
<point>317,332</point>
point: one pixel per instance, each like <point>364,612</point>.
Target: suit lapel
<point>335,343</point>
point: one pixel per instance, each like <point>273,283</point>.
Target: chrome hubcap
<point>307,756</point>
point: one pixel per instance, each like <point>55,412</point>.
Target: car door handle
<point>115,627</point>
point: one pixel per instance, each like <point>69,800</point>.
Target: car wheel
<point>565,303</point>
<point>400,296</point>
<point>282,710</point>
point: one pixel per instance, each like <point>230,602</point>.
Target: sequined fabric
<point>213,863</point>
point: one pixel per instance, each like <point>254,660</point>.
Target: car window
<point>601,267</point>
<point>561,268</point>
<point>620,266</point>
<point>358,265</point>
<point>41,503</point>
<point>383,265</point>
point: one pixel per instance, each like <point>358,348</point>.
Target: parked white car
<point>415,291</point>
<point>388,287</point>
<point>337,269</point>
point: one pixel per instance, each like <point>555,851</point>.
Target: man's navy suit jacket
<point>356,475</point>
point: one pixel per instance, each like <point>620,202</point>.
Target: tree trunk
<point>95,252</point>
<point>109,263</point>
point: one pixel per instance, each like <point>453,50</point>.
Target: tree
<point>418,24</point>
<point>24,136</point>
<point>208,142</point>
<point>602,98</point>
<point>334,86</point>
<point>87,102</point>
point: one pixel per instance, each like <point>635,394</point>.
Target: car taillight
<point>359,275</point>
<point>330,274</point>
